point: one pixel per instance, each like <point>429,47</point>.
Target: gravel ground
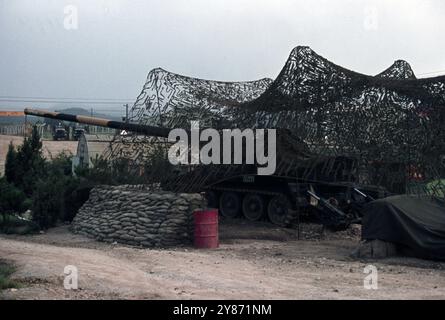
<point>254,261</point>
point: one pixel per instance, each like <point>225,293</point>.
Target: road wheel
<point>278,210</point>
<point>229,204</point>
<point>253,206</point>
<point>212,199</point>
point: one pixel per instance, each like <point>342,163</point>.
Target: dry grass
<point>6,270</point>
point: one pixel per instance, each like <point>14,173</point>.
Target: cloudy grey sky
<point>119,41</point>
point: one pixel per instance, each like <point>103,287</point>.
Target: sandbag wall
<point>137,215</point>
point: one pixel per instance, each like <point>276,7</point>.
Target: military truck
<point>60,133</point>
<point>78,131</point>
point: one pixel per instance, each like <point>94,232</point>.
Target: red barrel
<point>206,229</point>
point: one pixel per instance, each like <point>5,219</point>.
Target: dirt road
<point>267,263</point>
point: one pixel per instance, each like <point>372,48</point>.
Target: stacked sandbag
<point>375,249</point>
<point>138,215</point>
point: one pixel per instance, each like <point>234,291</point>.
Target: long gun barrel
<point>100,122</point>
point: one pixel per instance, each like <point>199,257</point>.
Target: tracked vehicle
<point>304,184</point>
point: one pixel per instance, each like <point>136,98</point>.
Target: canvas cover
<point>415,223</point>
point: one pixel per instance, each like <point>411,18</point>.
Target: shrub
<point>57,195</point>
<point>12,200</point>
<point>10,163</point>
<point>24,166</point>
<point>6,270</point>
<point>53,193</point>
<point>75,196</point>
<point>15,225</point>
<point>47,202</point>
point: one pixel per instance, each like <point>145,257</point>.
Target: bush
<point>75,196</point>
<point>58,195</point>
<point>24,166</point>
<point>15,225</point>
<point>107,172</point>
<point>155,168</point>
<point>12,200</point>
<point>6,271</point>
<point>10,163</point>
<point>47,187</point>
<point>53,193</point>
<point>50,191</point>
<point>47,202</point>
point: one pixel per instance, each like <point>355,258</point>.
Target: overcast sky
<point>118,42</point>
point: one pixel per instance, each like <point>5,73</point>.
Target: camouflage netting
<point>171,100</point>
<point>388,128</point>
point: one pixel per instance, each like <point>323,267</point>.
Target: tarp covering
<point>416,223</point>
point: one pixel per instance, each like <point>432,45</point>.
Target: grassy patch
<point>6,270</point>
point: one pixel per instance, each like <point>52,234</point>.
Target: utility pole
<point>126,112</point>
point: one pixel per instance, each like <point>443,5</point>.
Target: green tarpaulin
<point>415,223</point>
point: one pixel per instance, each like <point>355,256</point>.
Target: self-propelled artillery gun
<point>304,184</point>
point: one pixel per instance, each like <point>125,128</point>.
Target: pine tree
<point>11,164</point>
<point>35,143</point>
<point>29,162</point>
